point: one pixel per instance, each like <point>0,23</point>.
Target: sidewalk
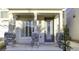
<point>18,47</point>
<point>74,45</point>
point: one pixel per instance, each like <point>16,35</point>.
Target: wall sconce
<point>74,16</point>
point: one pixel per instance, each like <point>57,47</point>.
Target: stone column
<point>12,20</point>
<point>14,23</point>
<point>60,27</point>
<point>35,21</point>
<point>61,21</point>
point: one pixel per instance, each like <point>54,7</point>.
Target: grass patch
<point>2,44</point>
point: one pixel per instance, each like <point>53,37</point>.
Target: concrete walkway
<point>74,45</point>
<point>20,47</point>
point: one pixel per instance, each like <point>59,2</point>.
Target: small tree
<point>66,39</point>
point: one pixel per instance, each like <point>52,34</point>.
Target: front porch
<point>46,22</point>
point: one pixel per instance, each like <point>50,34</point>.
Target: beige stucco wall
<point>73,22</point>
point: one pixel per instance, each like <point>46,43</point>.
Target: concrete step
<point>18,47</point>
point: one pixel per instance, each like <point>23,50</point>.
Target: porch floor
<point>24,47</point>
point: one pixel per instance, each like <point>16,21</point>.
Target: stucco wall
<point>3,22</point>
<point>73,22</point>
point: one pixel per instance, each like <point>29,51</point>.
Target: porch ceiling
<point>21,14</point>
<point>47,14</point>
<point>40,16</point>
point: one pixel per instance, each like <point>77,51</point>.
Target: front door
<point>49,33</point>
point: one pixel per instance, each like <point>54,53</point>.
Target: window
<point>3,14</point>
<point>28,28</point>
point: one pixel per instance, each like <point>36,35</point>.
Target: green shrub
<point>2,44</point>
<point>66,39</point>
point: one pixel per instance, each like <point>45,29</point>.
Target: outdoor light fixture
<point>73,16</point>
